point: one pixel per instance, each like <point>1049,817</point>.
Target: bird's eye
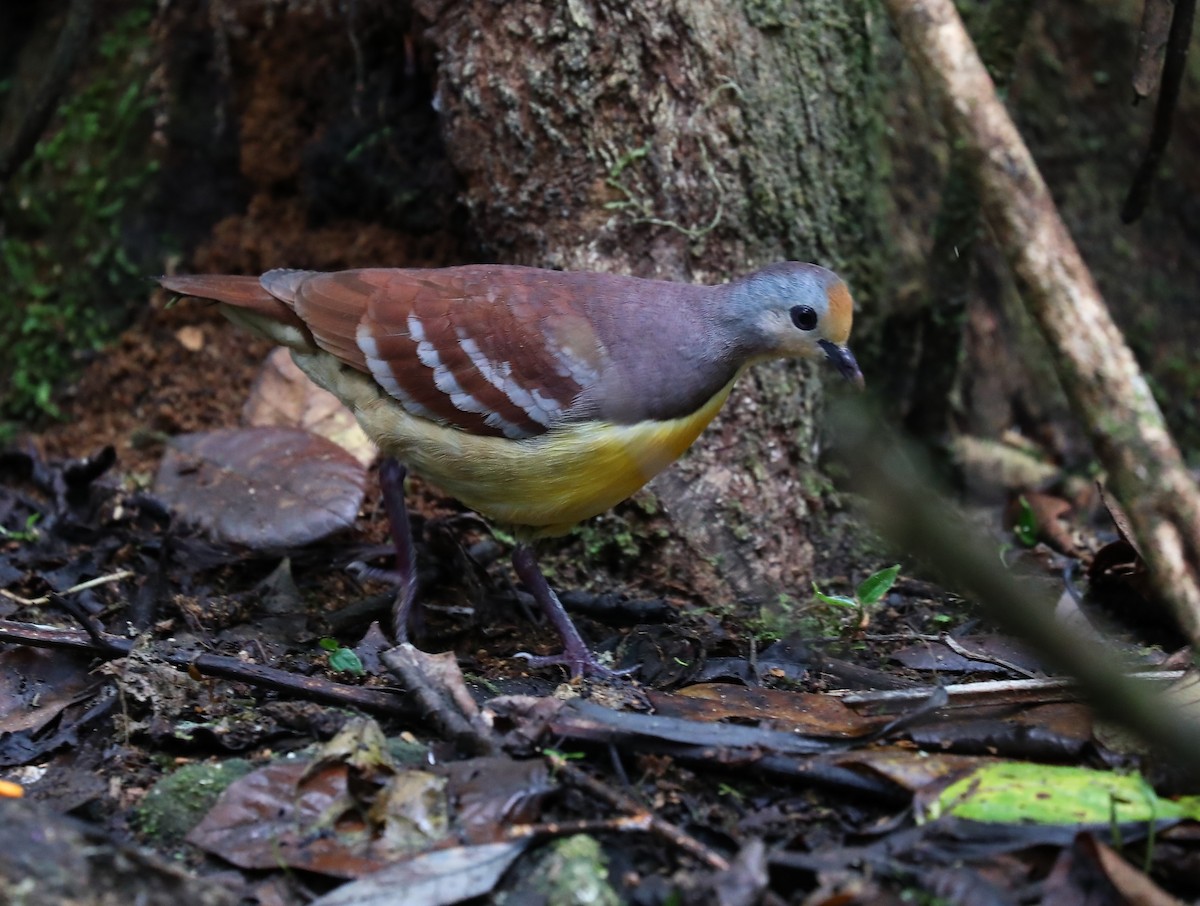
<point>804,317</point>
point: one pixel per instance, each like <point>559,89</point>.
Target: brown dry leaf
<point>36,685</point>
<point>1088,871</point>
<point>266,488</point>
<point>346,813</point>
<point>284,815</point>
<point>801,712</point>
<point>911,770</point>
<point>1050,514</point>
<point>436,878</point>
<point>983,653</point>
<point>283,395</point>
<point>1120,520</point>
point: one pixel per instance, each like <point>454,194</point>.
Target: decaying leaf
<point>351,809</point>
<point>266,488</point>
<point>284,396</point>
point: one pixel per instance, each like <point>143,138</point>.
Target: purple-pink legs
<point>391,480</point>
<point>576,656</point>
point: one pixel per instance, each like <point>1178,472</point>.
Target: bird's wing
<point>491,350</point>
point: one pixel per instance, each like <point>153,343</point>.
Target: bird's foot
<point>576,655</point>
<point>581,663</point>
<point>406,617</point>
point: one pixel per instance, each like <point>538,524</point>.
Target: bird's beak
<point>843,360</point>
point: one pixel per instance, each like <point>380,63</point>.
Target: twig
<point>107,645</point>
<point>436,684</point>
<point>82,586</point>
<point>621,824</point>
<point>1038,690</point>
<point>1097,368</point>
<point>982,656</point>
<point>1174,69</point>
<point>617,799</point>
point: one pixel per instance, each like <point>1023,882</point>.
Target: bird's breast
<point>547,483</point>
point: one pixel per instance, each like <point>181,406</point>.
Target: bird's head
<point>797,310</point>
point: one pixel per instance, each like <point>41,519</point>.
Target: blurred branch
<point>917,519</point>
<point>37,115</point>
<point>1097,368</point>
<point>1173,69</point>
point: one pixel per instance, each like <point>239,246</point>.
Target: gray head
<point>796,310</point>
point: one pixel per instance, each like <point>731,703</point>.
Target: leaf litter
<point>826,761</point>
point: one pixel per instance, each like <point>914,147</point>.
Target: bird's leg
<point>576,656</point>
<point>391,480</point>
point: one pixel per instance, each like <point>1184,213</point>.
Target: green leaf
<point>837,600</point>
<point>345,660</point>
<point>1026,793</point>
<point>874,587</point>
<point>1026,526</point>
<point>565,756</point>
<point>329,644</point>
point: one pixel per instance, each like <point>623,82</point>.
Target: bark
<point>689,140</point>
<point>1097,368</point>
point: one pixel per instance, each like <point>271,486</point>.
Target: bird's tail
<point>247,303</point>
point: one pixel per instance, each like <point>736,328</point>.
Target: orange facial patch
<point>841,313</point>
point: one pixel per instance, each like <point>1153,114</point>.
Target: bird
<point>538,398</point>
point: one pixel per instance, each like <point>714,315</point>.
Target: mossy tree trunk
<point>690,140</point>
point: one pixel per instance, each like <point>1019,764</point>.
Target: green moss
<point>66,261</point>
<point>177,802</point>
<point>609,533</point>
<point>771,13</point>
<point>574,871</point>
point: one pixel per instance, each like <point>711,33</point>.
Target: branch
<point>1173,71</point>
<point>378,701</point>
<point>1097,369</point>
<point>914,516</point>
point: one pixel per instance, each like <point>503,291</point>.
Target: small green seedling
<point>559,759</point>
<point>724,789</point>
<point>870,591</point>
<point>343,660</point>
<point>1026,525</point>
<point>29,533</point>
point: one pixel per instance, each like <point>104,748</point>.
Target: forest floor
<point>203,705</point>
<point>221,723</point>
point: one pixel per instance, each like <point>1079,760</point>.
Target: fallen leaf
<point>284,396</point>
<point>266,488</point>
<point>1010,792</point>
<point>434,878</point>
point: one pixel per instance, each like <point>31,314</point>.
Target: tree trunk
<point>689,140</point>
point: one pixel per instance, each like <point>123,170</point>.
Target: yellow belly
<point>546,483</point>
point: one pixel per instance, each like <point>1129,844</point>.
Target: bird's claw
<point>579,664</point>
